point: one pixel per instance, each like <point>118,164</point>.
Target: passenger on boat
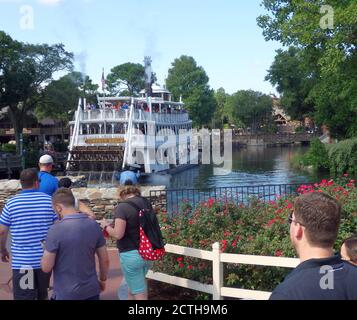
<point>128,175</point>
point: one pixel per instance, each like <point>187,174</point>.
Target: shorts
<point>134,269</point>
<point>36,284</point>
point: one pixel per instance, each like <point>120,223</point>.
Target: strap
<point>134,205</point>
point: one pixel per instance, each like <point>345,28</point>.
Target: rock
<point>10,185</point>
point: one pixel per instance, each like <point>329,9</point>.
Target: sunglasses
<point>291,220</point>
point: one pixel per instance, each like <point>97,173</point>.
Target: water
<point>252,166</point>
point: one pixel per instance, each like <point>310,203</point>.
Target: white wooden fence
<point>217,289</point>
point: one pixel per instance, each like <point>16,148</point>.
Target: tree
<point>248,108</point>
<point>294,81</point>
<point>188,80</point>
<point>25,70</point>
<point>219,117</point>
<point>59,100</point>
<point>85,85</point>
<point>127,78</point>
<point>329,39</point>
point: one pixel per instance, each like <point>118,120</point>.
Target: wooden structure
<point>96,158</point>
<point>217,288</point>
<point>10,164</point>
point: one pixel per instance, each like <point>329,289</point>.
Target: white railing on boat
<point>217,289</point>
<point>139,115</point>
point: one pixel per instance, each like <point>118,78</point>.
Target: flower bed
<point>259,228</point>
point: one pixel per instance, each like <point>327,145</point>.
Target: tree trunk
<point>17,123</point>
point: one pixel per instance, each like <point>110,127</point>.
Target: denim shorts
<point>134,269</point>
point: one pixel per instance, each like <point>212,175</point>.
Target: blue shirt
<point>304,282</point>
<point>75,240</point>
<point>129,175</point>
<point>48,184</point>
<point>29,216</point>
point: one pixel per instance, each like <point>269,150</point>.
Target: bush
<point>10,148</point>
<point>343,157</point>
<point>259,228</point>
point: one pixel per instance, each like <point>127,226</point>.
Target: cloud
<point>49,2</point>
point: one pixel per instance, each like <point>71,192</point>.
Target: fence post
<point>217,271</point>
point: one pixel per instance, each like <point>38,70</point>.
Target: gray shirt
<point>75,240</point>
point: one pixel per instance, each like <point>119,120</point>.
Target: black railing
<point>174,200</point>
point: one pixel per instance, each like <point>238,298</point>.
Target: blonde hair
<point>129,190</point>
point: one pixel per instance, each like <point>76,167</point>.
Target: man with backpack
<point>139,239</point>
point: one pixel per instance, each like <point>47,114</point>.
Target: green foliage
<point>294,80</point>
<point>190,81</point>
<point>219,116</point>
<point>325,59</point>
<point>343,157</point>
<point>248,108</point>
<point>10,148</point>
<point>259,228</point>
<point>60,99</point>
<point>127,78</point>
<point>25,69</point>
<point>317,156</point>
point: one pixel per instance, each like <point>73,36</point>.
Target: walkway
<point>114,279</point>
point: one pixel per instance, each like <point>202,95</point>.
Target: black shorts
<point>30,284</point>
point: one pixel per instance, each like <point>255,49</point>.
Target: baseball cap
<point>46,159</point>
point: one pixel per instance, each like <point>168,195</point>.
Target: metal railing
<point>173,200</point>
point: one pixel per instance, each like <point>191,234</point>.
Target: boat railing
<point>139,115</point>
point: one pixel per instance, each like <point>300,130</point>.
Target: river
<point>252,166</point>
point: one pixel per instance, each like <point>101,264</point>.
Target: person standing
<point>48,183</point>
<point>70,250</point>
<point>28,216</point>
<point>127,231</point>
<point>314,225</point>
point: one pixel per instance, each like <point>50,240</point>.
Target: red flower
<point>179,259</point>
<point>190,267</point>
<point>210,202</point>
<point>271,222</point>
<point>181,265</point>
<point>278,253</point>
<point>290,206</point>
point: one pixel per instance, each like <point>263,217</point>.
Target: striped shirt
<point>29,216</point>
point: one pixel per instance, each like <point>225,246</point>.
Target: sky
<point>221,35</point>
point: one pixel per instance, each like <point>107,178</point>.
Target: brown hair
<point>129,190</point>
<point>320,214</point>
<point>351,248</point>
<point>28,178</point>
<point>64,197</point>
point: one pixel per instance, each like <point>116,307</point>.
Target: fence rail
<point>217,288</point>
<point>172,200</point>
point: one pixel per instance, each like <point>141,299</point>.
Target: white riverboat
<point>141,132</point>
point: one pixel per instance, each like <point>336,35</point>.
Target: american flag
<point>103,81</point>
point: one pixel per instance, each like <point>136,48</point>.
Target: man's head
<point>63,202</point>
<point>65,183</point>
<point>349,250</point>
<point>314,222</point>
<point>29,179</point>
<point>46,163</point>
